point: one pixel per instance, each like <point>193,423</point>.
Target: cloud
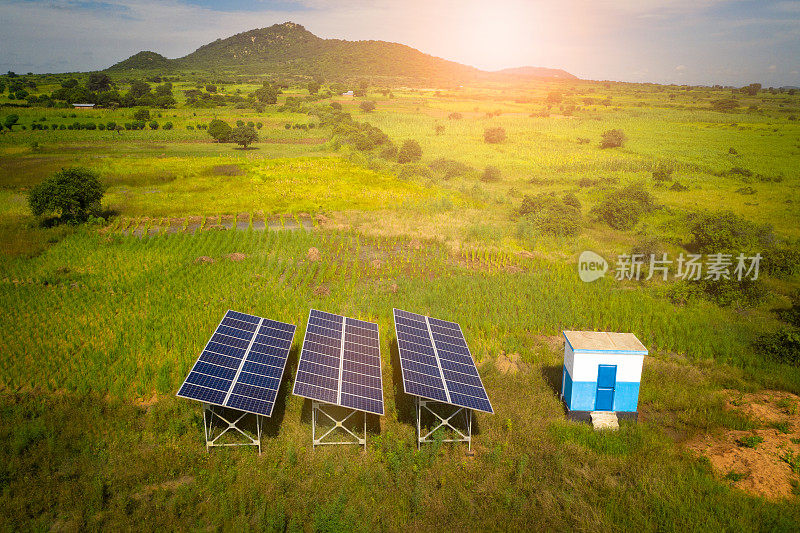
<point>772,68</point>
<point>680,68</point>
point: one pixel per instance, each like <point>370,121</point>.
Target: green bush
<point>547,214</point>
<point>449,168</point>
<point>153,125</point>
<point>72,193</point>
<point>726,232</point>
<point>142,114</point>
<point>572,200</point>
<point>612,139</point>
<point>410,152</point>
<point>623,208</point>
<point>168,125</point>
<point>367,106</point>
<point>782,346</point>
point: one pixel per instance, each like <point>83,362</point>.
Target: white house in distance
<point>83,106</point>
<point>602,372</point>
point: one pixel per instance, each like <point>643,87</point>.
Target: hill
<point>536,72</point>
<point>289,48</point>
<point>143,61</point>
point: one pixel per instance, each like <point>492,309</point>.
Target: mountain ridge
<point>290,49</point>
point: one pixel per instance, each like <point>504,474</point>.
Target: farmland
<point>102,324</point>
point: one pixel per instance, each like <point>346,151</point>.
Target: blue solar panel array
<point>340,363</point>
<point>436,362</point>
<point>242,365</point>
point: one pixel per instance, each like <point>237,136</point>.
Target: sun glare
<point>495,36</point>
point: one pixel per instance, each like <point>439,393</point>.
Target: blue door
<point>606,382</point>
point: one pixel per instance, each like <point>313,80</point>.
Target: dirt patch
<point>322,290</point>
<point>313,254</point>
<point>508,363</point>
<point>236,257</point>
<point>204,259</point>
<point>147,402</point>
<point>227,170</point>
<point>170,485</point>
<point>305,140</point>
<point>757,461</point>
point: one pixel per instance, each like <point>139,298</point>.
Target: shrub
<point>612,139</point>
<point>726,232</point>
<point>389,152</point>
<point>72,193</point>
<point>219,130</point>
<point>490,173</point>
<point>410,152</point>
<point>142,114</point>
<point>336,105</point>
<point>586,182</point>
<point>494,135</point>
<point>724,104</point>
<point>153,125</point>
<point>439,129</point>
<point>454,116</point>
<point>545,213</point>
<point>782,346</point>
<point>572,200</point>
<point>622,208</point>
<point>367,106</point>
<point>111,125</point>
<point>662,174</point>
<point>678,187</point>
<point>168,125</point>
<point>449,168</point>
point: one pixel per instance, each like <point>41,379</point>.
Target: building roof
<point>82,105</point>
<point>603,341</point>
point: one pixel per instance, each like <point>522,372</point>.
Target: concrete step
<point>604,420</point>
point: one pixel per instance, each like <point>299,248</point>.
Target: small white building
<point>83,106</point>
<point>602,372</point>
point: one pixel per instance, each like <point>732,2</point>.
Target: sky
<point>729,42</point>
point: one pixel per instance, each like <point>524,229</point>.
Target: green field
<point>103,325</point>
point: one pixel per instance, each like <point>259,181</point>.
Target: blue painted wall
<point>580,395</point>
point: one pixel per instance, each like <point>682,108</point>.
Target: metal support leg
<point>338,423</point>
<point>212,413</point>
<point>460,435</point>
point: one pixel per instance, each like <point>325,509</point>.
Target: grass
<point>106,325</point>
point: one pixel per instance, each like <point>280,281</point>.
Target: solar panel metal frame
<point>341,365</point>
<point>441,375</point>
<point>235,379</point>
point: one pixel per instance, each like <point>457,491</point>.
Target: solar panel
<point>242,364</point>
<point>340,363</point>
<point>436,362</point>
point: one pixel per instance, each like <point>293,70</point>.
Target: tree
<point>752,89</point>
<point>313,87</point>
<point>554,98</point>
<point>73,193</point>
<point>142,114</point>
<point>139,88</point>
<point>211,88</point>
<point>244,136</point>
<point>154,125</point>
<point>98,81</point>
<point>367,106</point>
<point>494,135</point>
<point>219,130</point>
<point>10,121</point>
<point>410,152</point>
<point>163,90</point>
<point>612,139</point>
<point>70,83</point>
<point>267,94</point>
<point>490,173</point>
